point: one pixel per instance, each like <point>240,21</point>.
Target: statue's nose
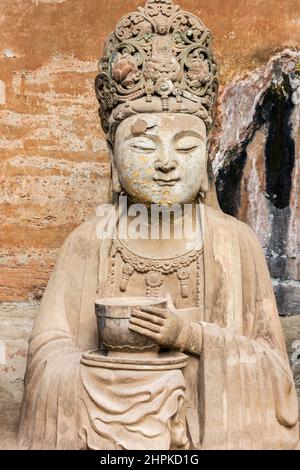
<point>166,165</point>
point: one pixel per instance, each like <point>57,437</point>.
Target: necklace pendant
<point>153,282</point>
<point>127,272</point>
<point>184,276</point>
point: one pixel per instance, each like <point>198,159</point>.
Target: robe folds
<point>247,398</point>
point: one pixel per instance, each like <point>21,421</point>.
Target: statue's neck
<point>160,232</point>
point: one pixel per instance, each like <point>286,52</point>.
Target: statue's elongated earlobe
<point>205,184</point>
<point>116,185</point>
<point>117,188</point>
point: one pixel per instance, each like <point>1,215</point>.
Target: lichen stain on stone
<point>136,174</point>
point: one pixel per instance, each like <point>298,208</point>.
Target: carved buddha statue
<point>156,88</point>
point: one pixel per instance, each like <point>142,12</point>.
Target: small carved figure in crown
<point>162,61</point>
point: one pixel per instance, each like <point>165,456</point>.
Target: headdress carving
<point>159,59</point>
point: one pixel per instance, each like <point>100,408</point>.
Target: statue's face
<point>161,158</point>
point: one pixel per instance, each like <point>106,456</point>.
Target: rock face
<point>50,179</point>
<point>257,166</point>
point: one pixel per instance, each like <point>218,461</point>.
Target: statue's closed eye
<point>141,145</point>
<point>187,144</point>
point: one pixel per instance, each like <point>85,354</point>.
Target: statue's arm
<point>257,322</point>
<point>52,381</point>
<point>260,343</point>
<point>260,320</point>
<point>71,289</point>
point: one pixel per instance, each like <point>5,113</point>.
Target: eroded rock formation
<point>257,165</point>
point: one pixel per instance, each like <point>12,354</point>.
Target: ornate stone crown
<point>159,59</point>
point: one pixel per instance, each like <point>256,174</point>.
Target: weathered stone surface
<point>257,165</point>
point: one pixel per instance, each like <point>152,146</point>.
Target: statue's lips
<point>166,182</point>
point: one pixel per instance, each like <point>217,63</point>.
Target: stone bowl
<point>113,315</point>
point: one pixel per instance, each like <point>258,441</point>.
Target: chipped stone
<point>139,127</point>
<point>9,54</point>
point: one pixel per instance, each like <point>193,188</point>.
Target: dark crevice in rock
<point>228,181</point>
<point>229,177</point>
<point>274,110</point>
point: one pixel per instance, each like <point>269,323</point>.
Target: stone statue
<point>192,354</point>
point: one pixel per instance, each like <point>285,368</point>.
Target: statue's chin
<point>161,199</point>
<point>161,202</point>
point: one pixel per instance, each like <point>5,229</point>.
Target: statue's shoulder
<point>246,234</point>
<point>84,233</point>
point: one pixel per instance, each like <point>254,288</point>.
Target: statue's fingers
<point>147,316</point>
<point>145,324</point>
<point>160,312</point>
<point>142,331</point>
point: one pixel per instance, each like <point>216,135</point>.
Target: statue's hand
<point>163,325</point>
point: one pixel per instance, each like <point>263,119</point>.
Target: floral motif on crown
<point>159,50</point>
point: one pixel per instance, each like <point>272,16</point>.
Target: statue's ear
<point>117,188</point>
<point>205,184</point>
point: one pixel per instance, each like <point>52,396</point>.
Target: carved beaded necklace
<point>154,269</point>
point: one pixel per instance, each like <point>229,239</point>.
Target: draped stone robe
<point>247,398</point>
